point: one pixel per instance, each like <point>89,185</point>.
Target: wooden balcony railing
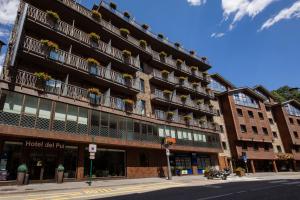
<point>35,46</point>
<point>56,87</point>
<point>69,30</point>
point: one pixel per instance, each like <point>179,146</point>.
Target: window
<point>267,147</point>
<point>224,145</point>
<point>271,121</point>
<point>292,110</point>
<point>216,86</point>
<point>291,120</point>
<point>275,134</point>
<point>240,112</point>
<point>243,129</point>
<point>279,148</point>
<point>250,113</point>
<point>261,116</point>
<point>296,134</point>
<point>265,130</point>
<point>142,85</point>
<point>244,146</point>
<point>245,100</point>
<point>298,121</point>
<point>254,129</point>
<point>268,109</point>
<point>221,128</point>
<point>13,103</point>
<point>141,107</point>
<point>255,147</point>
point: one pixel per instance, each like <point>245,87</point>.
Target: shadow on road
<point>281,189</point>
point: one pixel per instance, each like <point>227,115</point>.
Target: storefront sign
<point>43,144</point>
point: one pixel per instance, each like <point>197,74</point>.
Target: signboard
<point>92,148</point>
<point>44,144</point>
<point>184,172</point>
<point>170,141</point>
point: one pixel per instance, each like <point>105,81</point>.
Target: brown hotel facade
<point>72,77</point>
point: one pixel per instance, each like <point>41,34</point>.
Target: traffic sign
<point>92,148</point>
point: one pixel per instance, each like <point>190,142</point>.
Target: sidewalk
<point>96,184</point>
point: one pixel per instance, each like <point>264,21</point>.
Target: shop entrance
<point>42,165</point>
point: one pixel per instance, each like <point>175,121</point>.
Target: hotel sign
<point>44,144</point>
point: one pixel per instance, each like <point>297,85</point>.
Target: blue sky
<point>249,42</point>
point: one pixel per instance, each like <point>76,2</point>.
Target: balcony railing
<point>76,62</point>
<point>188,103</point>
<point>158,74</point>
<point>162,115</point>
<point>135,24</point>
<point>56,87</point>
<point>86,12</point>
<point>78,35</point>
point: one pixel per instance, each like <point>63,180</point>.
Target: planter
<point>94,99</point>
<point>50,48</point>
<point>96,15</point>
<point>94,39</point>
<point>170,115</point>
<point>162,56</point>
<point>52,18</point>
<point>40,83</point>
<point>60,176</point>
<point>128,105</point>
<point>113,6</point>
<point>126,56</point>
<point>179,62</point>
<point>143,43</point>
<point>145,26</point>
<point>21,178</point>
<point>126,14</point>
<point>160,36</point>
<point>124,32</point>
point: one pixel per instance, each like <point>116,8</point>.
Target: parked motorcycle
<point>213,173</point>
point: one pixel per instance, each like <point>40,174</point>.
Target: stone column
<point>80,163</point>
<point>275,166</point>
<point>252,166</point>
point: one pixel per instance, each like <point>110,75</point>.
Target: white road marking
<point>292,183</point>
<point>279,181</point>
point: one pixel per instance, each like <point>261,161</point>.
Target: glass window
<point>217,86</point>
<point>30,105</point>
<point>161,131</point>
<point>173,133</point>
<point>179,134</point>
<point>95,122</point>
<point>72,119</point>
<point>292,110</point>
<point>167,131</point>
<point>43,120</point>
<point>13,103</point>
<point>60,112</point>
<point>143,107</point>
<point>245,100</point>
<point>142,85</point>
<point>104,124</point>
<point>82,120</point>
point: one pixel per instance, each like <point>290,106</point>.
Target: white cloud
<point>287,13</point>
<point>196,2</point>
<point>8,11</point>
<point>217,35</point>
<point>241,8</point>
<point>4,32</point>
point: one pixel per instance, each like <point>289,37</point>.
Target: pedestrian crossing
<point>92,192</point>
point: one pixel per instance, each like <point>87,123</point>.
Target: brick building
<point>74,76</point>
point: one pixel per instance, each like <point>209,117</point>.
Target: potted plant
<point>177,44</point>
<point>210,106</point>
<point>52,18</point>
<point>50,49</point>
<point>22,170</point>
<point>96,15</point>
<point>170,115</point>
<point>202,121</point>
<point>167,94</point>
<point>179,62</point>
<point>195,85</point>
<point>240,171</point>
<point>143,43</point>
<point>194,68</point>
<point>94,95</point>
<point>93,66</point>
<point>41,78</point>
<point>124,32</point>
<point>126,55</point>
<point>165,74</point>
<point>60,173</point>
<point>199,102</point>
<point>183,98</point>
<point>113,6</point>
<point>187,118</point>
<point>128,79</point>
<point>126,14</point>
<point>94,39</point>
<point>162,56</point>
<point>128,104</point>
<point>160,36</point>
<point>192,52</point>
<point>181,79</point>
<point>145,26</point>
<point>204,59</point>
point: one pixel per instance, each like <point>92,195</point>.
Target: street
<point>260,186</point>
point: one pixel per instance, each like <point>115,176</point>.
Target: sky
<point>249,42</point>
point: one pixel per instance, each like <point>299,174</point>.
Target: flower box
<point>96,15</point>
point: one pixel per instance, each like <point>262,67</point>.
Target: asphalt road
<point>251,190</point>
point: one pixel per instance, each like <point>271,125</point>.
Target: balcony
<point>38,16</point>
<point>108,26</point>
<point>59,88</point>
<point>35,47</point>
<point>193,88</point>
<point>175,100</point>
<point>152,35</point>
<point>180,119</point>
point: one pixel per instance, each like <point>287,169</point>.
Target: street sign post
<point>92,150</point>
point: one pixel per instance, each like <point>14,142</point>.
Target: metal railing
<point>79,35</point>
<point>76,62</point>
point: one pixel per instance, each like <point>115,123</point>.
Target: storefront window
<point>104,124</point>
<point>12,108</point>
<point>107,163</point>
<point>30,110</point>
<point>113,131</point>
<point>82,120</point>
<point>10,159</point>
<point>130,129</point>
<point>95,123</point>
<point>161,131</point>
<point>70,161</point>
